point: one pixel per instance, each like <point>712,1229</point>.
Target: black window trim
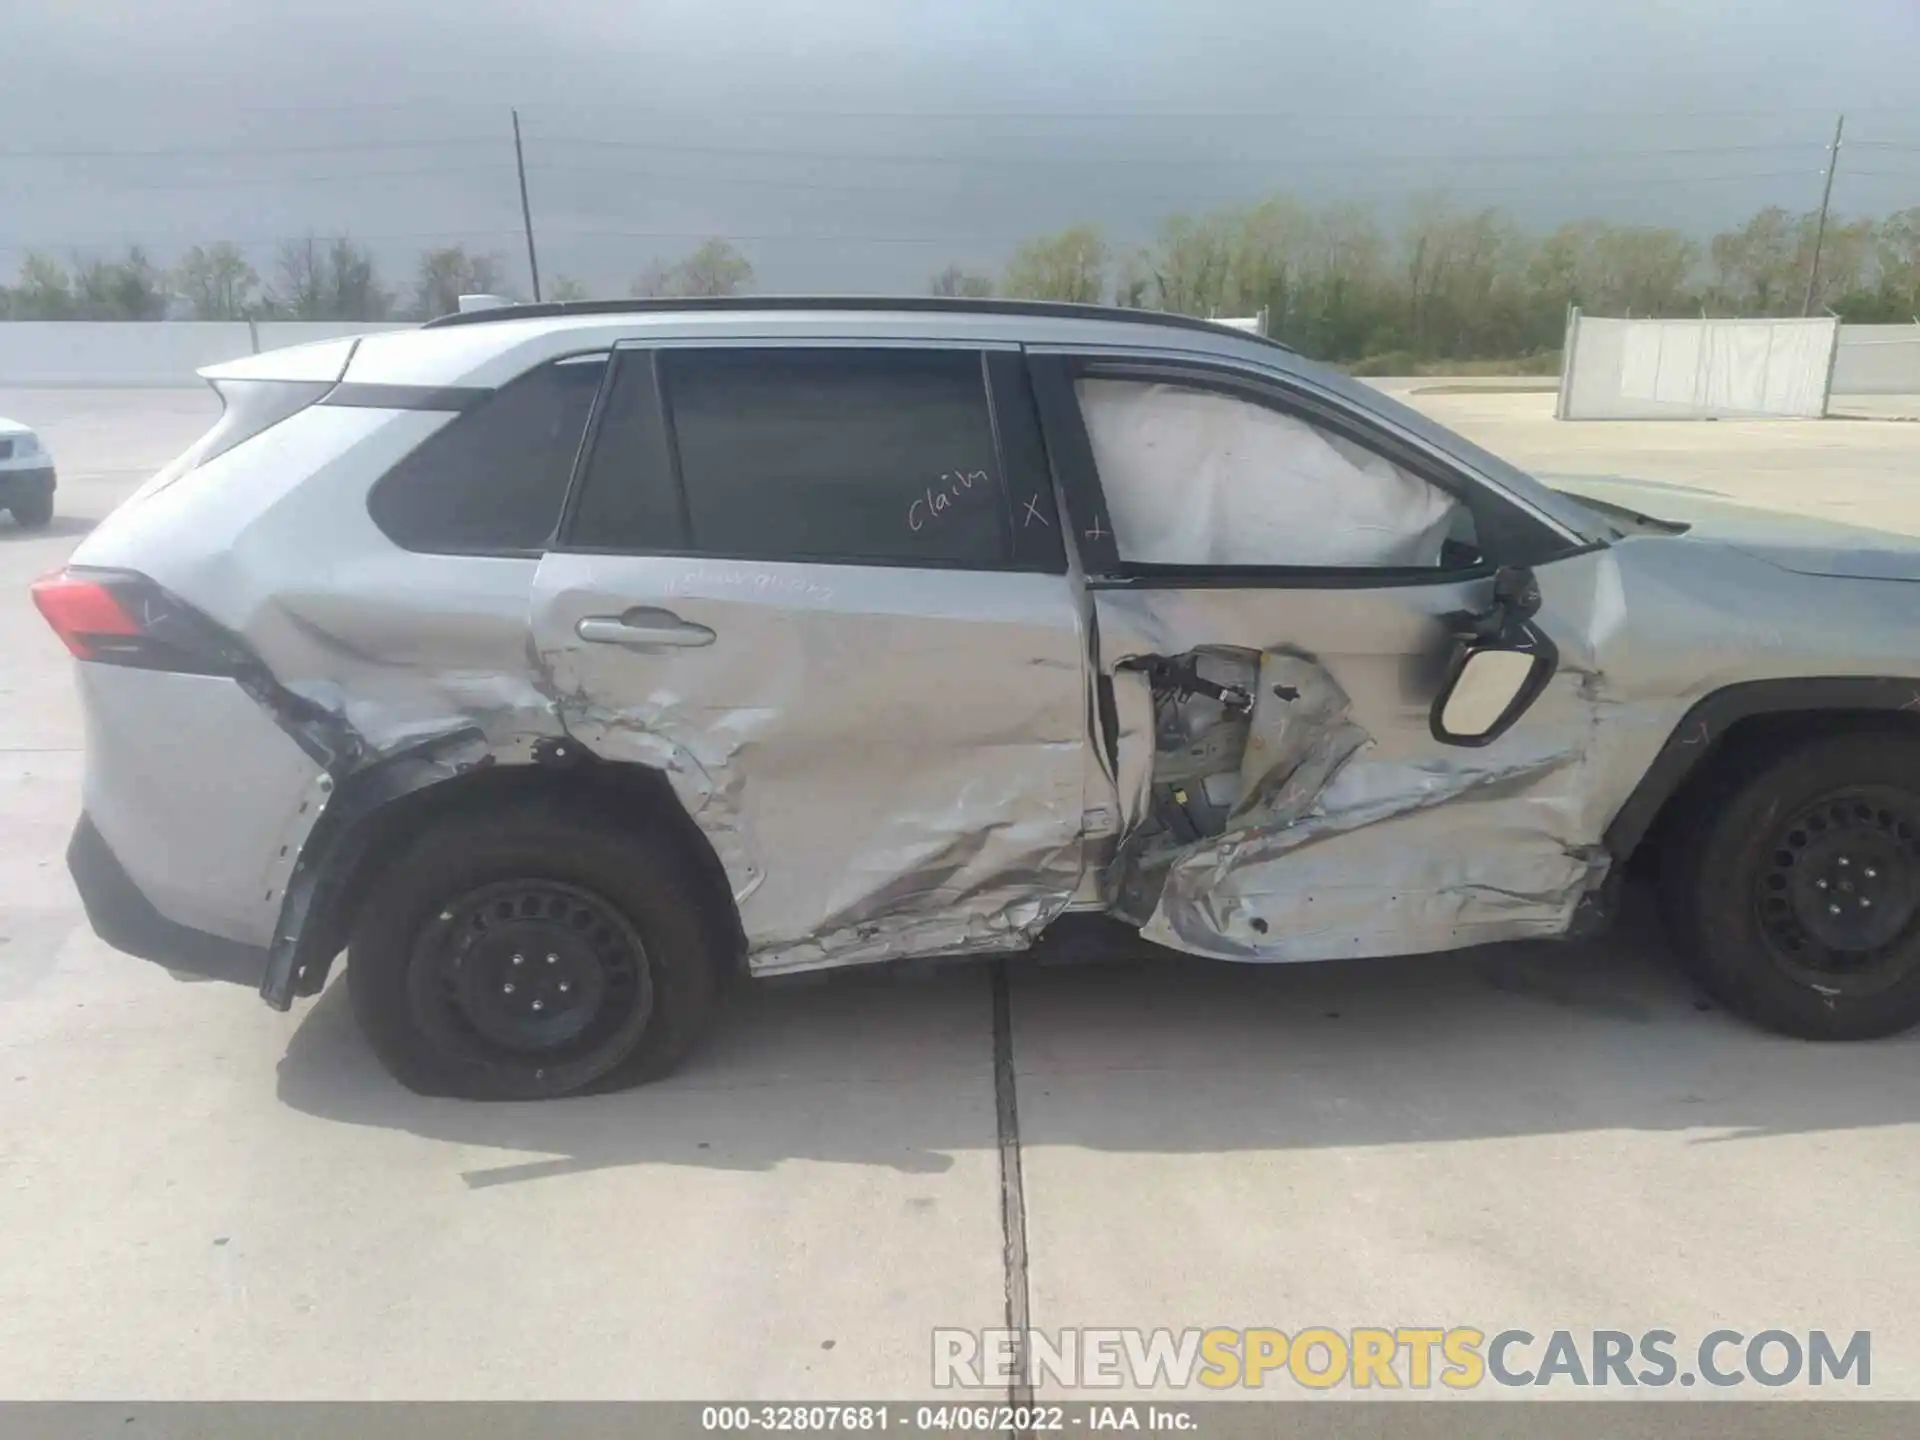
<point>1054,371</point>
<point>566,542</point>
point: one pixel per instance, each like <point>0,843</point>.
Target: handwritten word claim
<point>937,501</point>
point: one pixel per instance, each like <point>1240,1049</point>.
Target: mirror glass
<point>1488,683</point>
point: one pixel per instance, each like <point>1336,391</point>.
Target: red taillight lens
<point>82,612</point>
<point>118,617</point>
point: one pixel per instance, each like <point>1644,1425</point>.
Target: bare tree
<point>1897,261</point>
<point>960,283</point>
<point>44,290</point>
<point>716,268</point>
<point>1071,265</point>
<point>217,282</point>
<point>565,288</point>
<point>447,274</point>
<point>353,283</point>
<point>1755,267</point>
<point>330,280</point>
<point>126,289</point>
<point>300,280</point>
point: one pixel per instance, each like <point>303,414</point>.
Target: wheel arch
<point>379,810</point>
<point>1743,723</point>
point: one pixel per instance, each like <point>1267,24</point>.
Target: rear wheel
<point>1796,895</point>
<point>532,955</point>
<point>32,512</point>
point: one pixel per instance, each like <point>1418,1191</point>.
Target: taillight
<point>82,613</point>
<point>115,617</point>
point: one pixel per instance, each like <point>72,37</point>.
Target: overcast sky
<point>862,144</point>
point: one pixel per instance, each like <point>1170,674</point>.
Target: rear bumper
<point>17,484</point>
<point>122,916</point>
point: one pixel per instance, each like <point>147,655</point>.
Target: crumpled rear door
<point>888,759</point>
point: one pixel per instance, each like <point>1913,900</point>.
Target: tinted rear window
<point>861,455</point>
<point>493,479</point>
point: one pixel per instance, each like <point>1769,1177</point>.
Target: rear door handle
<point>644,628</point>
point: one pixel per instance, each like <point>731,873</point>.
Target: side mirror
<point>1488,689</point>
<point>1501,663</point>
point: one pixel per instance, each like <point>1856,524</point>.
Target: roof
<point>939,304</point>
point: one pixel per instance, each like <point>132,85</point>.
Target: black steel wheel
<point>531,970</point>
<point>535,953</point>
<point>1838,892</point>
<point>1795,890</point>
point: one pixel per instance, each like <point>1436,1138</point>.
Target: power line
<point>1184,161</point>
<point>943,237</point>
<point>631,107</point>
<point>240,181</point>
<point>171,152</point>
<point>885,157</point>
<point>777,182</point>
<point>1240,195</point>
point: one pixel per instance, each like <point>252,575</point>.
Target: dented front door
<point>1284,795</point>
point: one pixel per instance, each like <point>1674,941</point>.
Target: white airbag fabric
<point>1197,478</point>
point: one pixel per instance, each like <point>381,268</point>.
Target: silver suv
<point>555,662</point>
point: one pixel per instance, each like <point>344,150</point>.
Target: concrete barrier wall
<point>278,334</point>
<point>1877,360</point>
<point>113,353</point>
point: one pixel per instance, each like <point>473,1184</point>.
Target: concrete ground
<point>1861,466</point>
<point>201,1198</point>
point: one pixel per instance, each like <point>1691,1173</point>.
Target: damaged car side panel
<point>1330,823</point>
<point>886,762</point>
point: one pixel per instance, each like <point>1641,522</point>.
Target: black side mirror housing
<point>1501,662</point>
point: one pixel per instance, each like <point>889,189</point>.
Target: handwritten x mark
<point>1033,512</point>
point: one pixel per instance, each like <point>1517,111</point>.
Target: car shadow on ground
<point>1141,1052</point>
<point>60,525</point>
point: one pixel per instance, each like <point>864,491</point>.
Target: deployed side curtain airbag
<point>1198,478</point>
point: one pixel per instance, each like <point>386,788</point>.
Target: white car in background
<point>26,476</point>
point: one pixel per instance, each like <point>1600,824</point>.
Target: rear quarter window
<point>493,480</point>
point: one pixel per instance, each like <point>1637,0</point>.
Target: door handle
<point>642,628</point>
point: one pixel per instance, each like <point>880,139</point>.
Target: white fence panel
<point>1695,369</point>
<point>1877,360</point>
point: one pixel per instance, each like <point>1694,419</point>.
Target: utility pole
<point>1820,231</point>
<point>526,210</point>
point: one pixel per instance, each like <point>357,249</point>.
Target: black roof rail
<point>1044,309</point>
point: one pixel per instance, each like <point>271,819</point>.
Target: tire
<point>34,512</point>
<point>1794,890</point>
<point>478,918</point>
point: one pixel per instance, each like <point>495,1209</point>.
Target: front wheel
<point>1797,892</point>
<point>531,955</point>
